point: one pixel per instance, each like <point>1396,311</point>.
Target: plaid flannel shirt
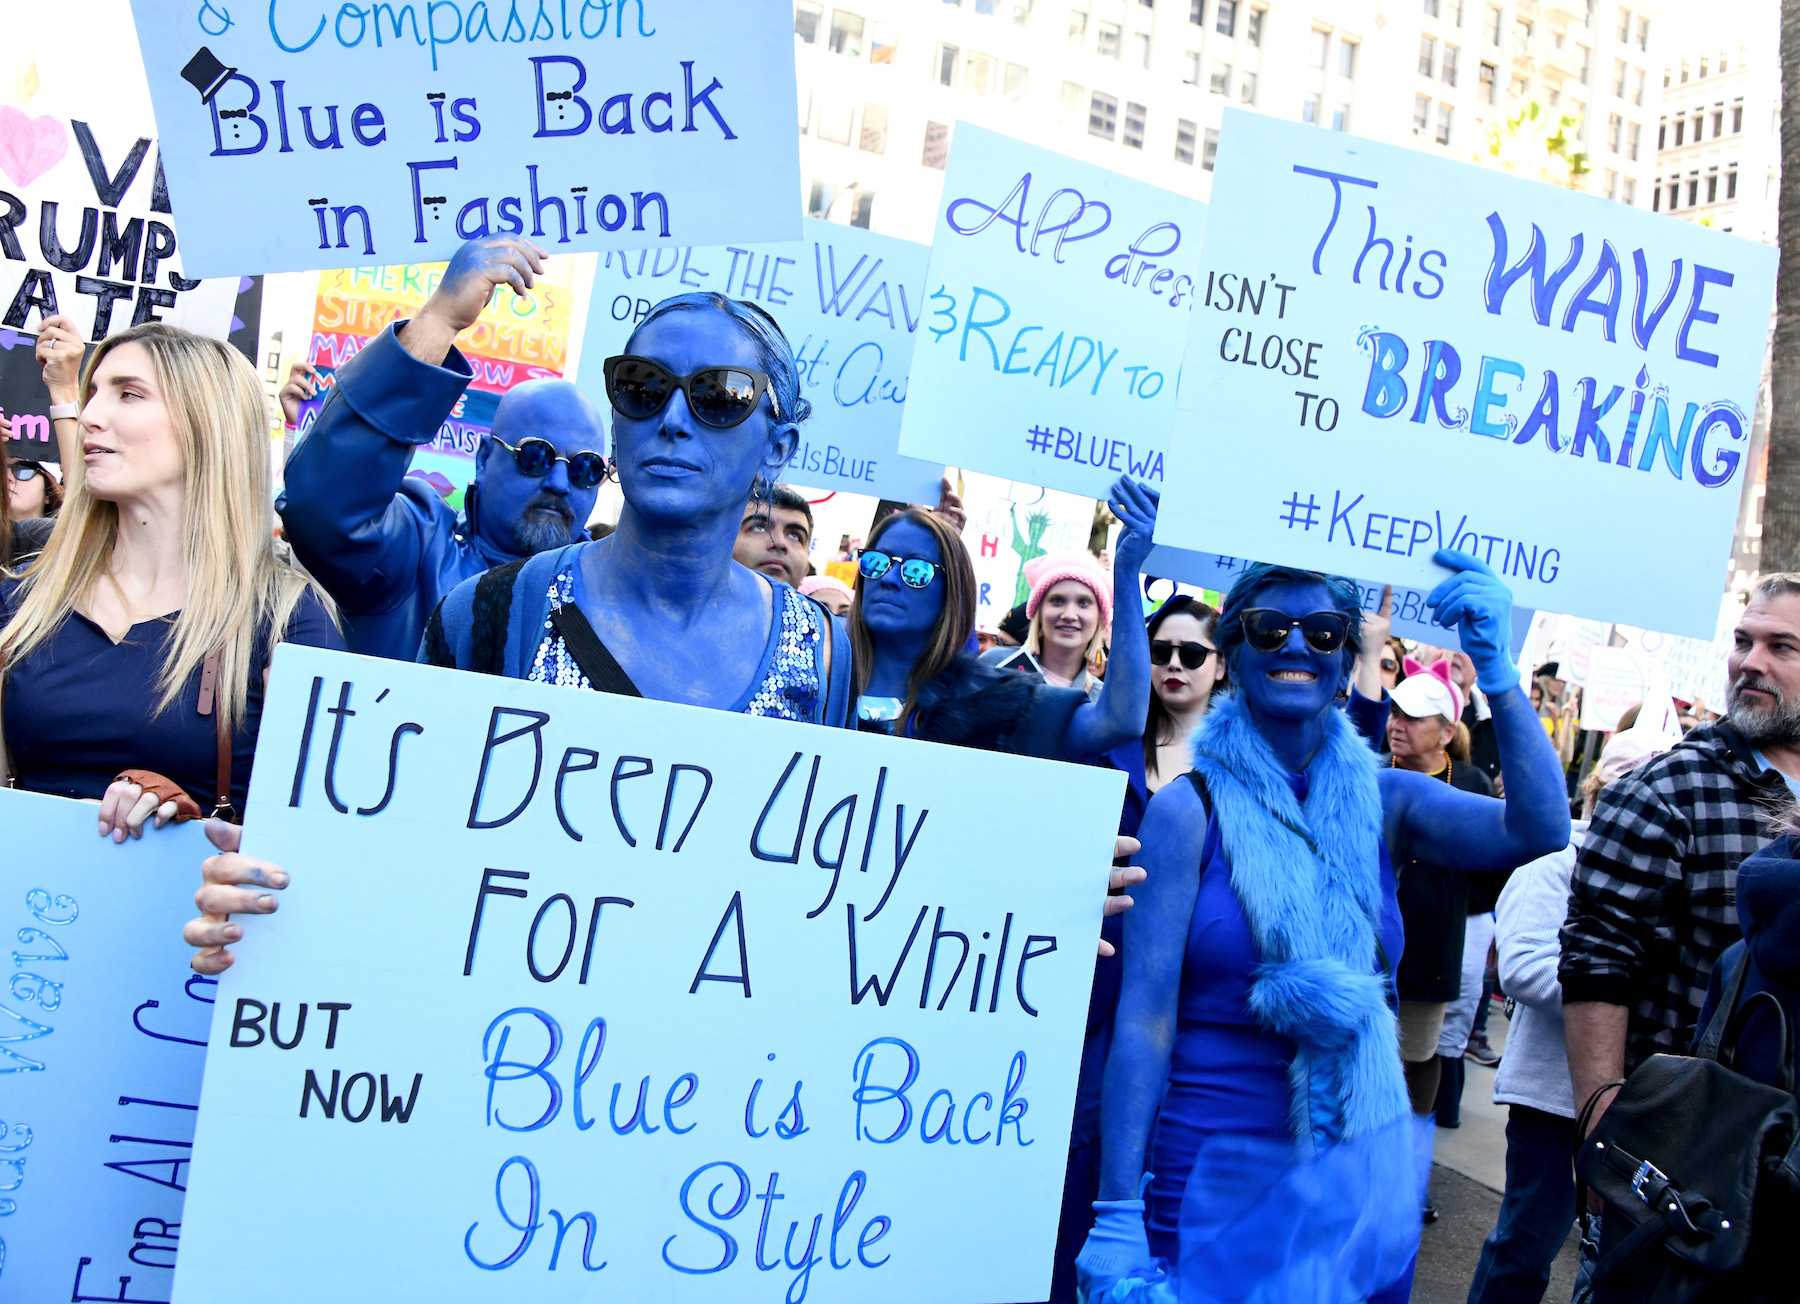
<point>1653,900</point>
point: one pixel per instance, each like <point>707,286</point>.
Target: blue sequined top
<point>787,685</point>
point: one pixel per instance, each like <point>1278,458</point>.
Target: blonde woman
<point>1070,610</point>
<point>139,640</point>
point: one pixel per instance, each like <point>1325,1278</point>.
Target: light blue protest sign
<point>579,996</point>
<point>849,302</point>
<point>1394,353</point>
<point>304,135</point>
<point>1411,618</point>
<point>103,1033</point>
<point>1059,299</point>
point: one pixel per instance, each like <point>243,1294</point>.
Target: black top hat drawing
<point>206,74</point>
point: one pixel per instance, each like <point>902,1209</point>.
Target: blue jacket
<point>1768,908</point>
<point>383,544</point>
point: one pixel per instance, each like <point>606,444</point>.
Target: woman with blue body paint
<point>1255,1066</point>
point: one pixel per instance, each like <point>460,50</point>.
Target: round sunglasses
<point>915,572</point>
<point>1266,629</point>
<point>720,397</point>
<point>538,457</point>
<point>1192,655</point>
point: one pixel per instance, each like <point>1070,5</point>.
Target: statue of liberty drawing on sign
<point>1028,546</point>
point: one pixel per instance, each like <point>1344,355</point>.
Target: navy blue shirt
<point>81,708</point>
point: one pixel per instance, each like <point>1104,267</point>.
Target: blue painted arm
<point>1156,930</point>
<point>1117,715</point>
<point>342,506</point>
<point>1369,717</point>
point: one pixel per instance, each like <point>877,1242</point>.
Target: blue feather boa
<point>1308,879</point>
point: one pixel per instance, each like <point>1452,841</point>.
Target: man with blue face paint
<point>383,543</point>
<point>1255,1067</point>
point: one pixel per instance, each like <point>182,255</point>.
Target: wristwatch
<point>65,411</point>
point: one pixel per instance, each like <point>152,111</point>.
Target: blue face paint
<point>672,467</point>
<point>524,514</point>
<point>1275,684</point>
<point>894,611</point>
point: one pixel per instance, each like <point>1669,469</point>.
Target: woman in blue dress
<point>1255,1068</point>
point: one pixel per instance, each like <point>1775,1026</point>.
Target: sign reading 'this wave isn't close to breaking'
<point>1393,353</point>
<point>303,134</point>
<point>663,1004</point>
<point>1059,296</point>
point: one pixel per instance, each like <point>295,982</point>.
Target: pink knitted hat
<point>1045,573</point>
<point>831,583</point>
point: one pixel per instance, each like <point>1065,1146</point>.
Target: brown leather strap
<point>209,691</point>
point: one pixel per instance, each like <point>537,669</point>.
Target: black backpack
<point>1699,1169</point>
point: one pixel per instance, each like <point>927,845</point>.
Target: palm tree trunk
<point>1781,506</point>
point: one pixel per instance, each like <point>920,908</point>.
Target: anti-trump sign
<point>849,302</point>
<point>391,133</point>
<point>578,996</point>
<point>1059,298</point>
<point>1395,353</point>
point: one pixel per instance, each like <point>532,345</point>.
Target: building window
<point>978,73</point>
<point>1018,77</point>
<point>1624,27</point>
<point>1629,195</point>
<point>1184,141</point>
<point>1346,57</point>
<point>1693,192</point>
<point>1247,88</point>
<point>1078,25</point>
<point>1615,130</point>
<point>1699,127</point>
<point>1637,92</point>
<point>1633,132</point>
<point>1074,103</point>
<point>874,130</point>
<point>1225,18</point>
<point>884,45</point>
<point>846,34</point>
<point>1209,150</point>
<point>1618,82</point>
<point>806,98</point>
<point>1445,114</point>
<point>1518,87</point>
<point>1427,55</point>
<point>1612,184</point>
<point>1140,49</point>
<point>1021,12</point>
<point>946,65</point>
<point>806,21</point>
<point>1340,117</point>
<point>1587,62</point>
<point>1493,25</point>
<point>1737,117</point>
<point>1309,111</point>
<point>818,199</point>
<point>1718,123</point>
<point>1220,81</point>
<point>1197,12</point>
<point>1106,41</point>
<point>937,145</point>
<point>1421,114</point>
<point>1656,197</point>
<point>1103,115</point>
<point>865,209</point>
<point>1712,187</point>
<point>1662,134</point>
<point>1680,131</point>
<point>1488,76</point>
<point>1431,8</point>
<point>1447,69</point>
<point>1674,196</point>
<point>1190,73</point>
<point>1731,184</point>
<point>1318,46</point>
<point>1133,136</point>
<point>1644,34</point>
<point>1253,26</point>
<point>834,120</point>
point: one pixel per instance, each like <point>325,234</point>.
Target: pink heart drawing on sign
<point>30,147</point>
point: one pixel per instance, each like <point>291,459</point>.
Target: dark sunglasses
<point>1266,629</point>
<point>915,572</point>
<point>720,397</point>
<point>1193,655</point>
<point>25,470</point>
<point>1388,663</point>
<point>538,457</point>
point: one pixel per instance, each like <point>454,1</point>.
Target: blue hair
<point>1260,576</point>
<point>771,345</point>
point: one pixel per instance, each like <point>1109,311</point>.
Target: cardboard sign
<point>393,133</point>
<point>1395,353</point>
<point>1059,299</point>
<point>849,303</point>
<point>102,1039</point>
<point>670,1004</point>
<point>1010,524</point>
<point>1617,680</point>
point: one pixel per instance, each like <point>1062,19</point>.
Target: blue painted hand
<point>1116,1256</point>
<point>1134,503</point>
<point>476,270</point>
<point>1478,605</point>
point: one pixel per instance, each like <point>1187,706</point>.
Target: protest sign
<point>1395,353</point>
<point>394,133</point>
<point>1411,617</point>
<point>1010,524</point>
<point>1059,298</point>
<point>849,303</point>
<point>102,1039</point>
<point>1694,669</point>
<point>650,1000</point>
<point>1618,679</point>
<point>518,337</point>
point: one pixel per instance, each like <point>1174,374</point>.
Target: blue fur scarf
<point>1313,910</point>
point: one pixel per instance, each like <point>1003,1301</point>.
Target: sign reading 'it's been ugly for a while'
<point>1484,362</point>
<point>390,133</point>
<point>681,1005</point>
<point>849,302</point>
<point>1059,297</point>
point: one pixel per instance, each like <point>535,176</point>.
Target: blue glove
<point>1477,603</point>
<point>1116,1257</point>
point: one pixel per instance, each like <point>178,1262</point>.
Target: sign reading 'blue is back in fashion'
<point>849,302</point>
<point>1059,297</point>
<point>666,1004</point>
<point>103,1033</point>
<point>302,134</point>
<point>1393,353</point>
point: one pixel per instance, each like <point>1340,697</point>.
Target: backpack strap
<point>490,613</point>
<point>597,662</point>
<point>205,705</point>
<point>1714,1033</point>
<point>1210,846</point>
